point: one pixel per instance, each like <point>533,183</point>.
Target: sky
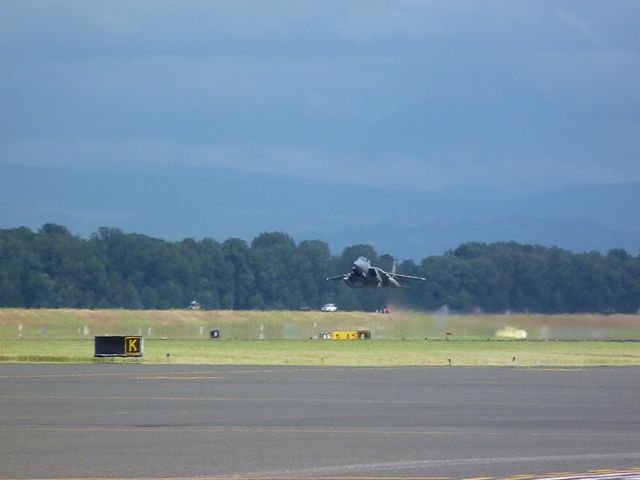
<point>406,95</point>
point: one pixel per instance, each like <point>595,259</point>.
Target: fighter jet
<point>364,275</point>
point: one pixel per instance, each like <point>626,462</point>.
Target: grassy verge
<point>64,324</point>
<point>284,337</point>
<point>353,353</point>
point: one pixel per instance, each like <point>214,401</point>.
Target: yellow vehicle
<point>351,335</point>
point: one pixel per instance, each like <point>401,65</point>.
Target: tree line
<point>111,269</point>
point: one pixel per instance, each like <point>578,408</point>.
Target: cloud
<point>420,95</point>
<point>375,21</point>
<point>579,25</point>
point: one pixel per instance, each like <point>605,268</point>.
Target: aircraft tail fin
<point>393,269</point>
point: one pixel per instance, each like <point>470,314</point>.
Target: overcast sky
<point>410,95</point>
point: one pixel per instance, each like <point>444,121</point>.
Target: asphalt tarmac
<point>141,421</point>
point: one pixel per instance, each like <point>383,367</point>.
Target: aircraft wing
<point>339,277</point>
<point>400,276</point>
<point>408,277</point>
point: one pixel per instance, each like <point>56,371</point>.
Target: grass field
<point>328,352</point>
<point>292,325</point>
<point>290,338</point>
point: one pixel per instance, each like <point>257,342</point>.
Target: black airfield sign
<point>118,346</point>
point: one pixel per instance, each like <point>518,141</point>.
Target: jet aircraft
<point>364,275</point>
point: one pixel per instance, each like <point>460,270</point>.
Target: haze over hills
<point>410,126</point>
<point>173,203</point>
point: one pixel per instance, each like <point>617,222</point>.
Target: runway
<point>141,421</point>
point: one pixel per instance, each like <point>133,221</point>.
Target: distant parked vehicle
<point>329,307</point>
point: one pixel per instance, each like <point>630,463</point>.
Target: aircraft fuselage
<point>363,275</point>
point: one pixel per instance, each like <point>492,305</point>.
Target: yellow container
<point>350,335</point>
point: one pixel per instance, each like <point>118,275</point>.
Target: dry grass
<point>274,325</point>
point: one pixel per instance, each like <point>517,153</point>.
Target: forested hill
<point>53,268</point>
<point>172,203</point>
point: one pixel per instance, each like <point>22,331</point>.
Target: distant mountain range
<point>173,203</point>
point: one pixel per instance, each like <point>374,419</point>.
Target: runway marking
<point>224,371</point>
<point>169,377</point>
<point>408,464</point>
<point>154,429</point>
<point>624,475</point>
<point>207,398</point>
<point>84,375</point>
<point>62,375</point>
<point>612,475</point>
<point>235,477</point>
<point>549,369</point>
